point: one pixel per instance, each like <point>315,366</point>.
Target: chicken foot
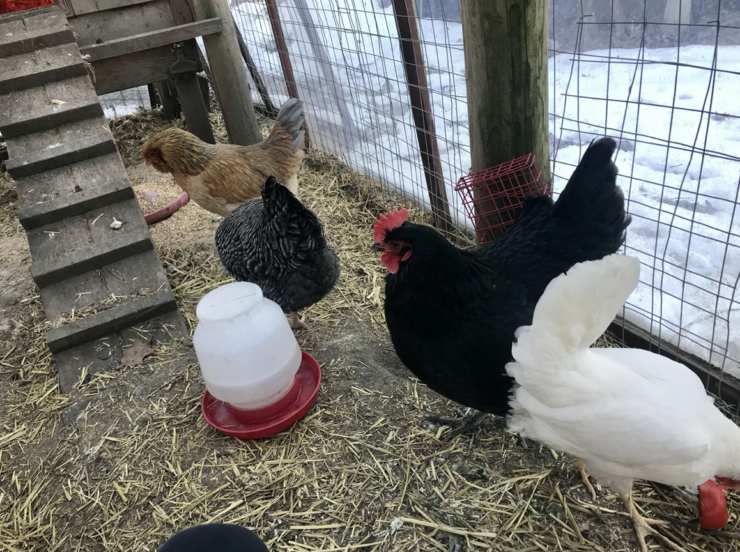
<point>296,322</point>
<point>580,465</point>
<point>470,421</point>
<point>644,526</point>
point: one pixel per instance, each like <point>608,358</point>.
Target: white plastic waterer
<point>247,351</point>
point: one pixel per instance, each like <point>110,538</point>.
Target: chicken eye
<point>394,243</point>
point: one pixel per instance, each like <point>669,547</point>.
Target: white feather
<point>628,413</point>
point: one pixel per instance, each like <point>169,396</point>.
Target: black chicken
<point>278,243</point>
<point>212,537</point>
<point>452,313</point>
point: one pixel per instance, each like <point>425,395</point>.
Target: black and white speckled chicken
<point>278,243</point>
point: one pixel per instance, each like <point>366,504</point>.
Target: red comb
<point>385,223</point>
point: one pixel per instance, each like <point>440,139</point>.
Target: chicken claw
<point>644,526</point>
<point>296,322</point>
<point>472,420</point>
<point>580,465</point>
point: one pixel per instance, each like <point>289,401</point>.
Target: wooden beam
<point>256,77</point>
<point>282,48</point>
<point>421,106</point>
<point>506,74</point>
<point>153,39</point>
<point>229,77</point>
<point>81,7</point>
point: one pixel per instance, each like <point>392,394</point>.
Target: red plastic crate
<point>493,197</point>
<point>7,6</point>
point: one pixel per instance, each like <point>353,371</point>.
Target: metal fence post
<point>413,61</point>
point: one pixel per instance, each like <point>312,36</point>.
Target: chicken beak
<point>377,247</point>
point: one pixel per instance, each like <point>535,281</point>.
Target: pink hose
<point>167,210</point>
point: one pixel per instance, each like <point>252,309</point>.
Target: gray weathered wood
<point>13,44</point>
<point>229,74</point>
<point>26,14</point>
<point>254,72</point>
<point>32,162</point>
<point>38,68</point>
<point>506,74</point>
<point>104,353</point>
<point>111,320</point>
<point>50,271</point>
<point>82,7</point>
<point>75,203</point>
<point>151,39</point>
<point>110,25</point>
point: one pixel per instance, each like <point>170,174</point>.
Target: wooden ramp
<point>102,288</point>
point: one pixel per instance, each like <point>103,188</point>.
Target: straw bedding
<point>125,460</point>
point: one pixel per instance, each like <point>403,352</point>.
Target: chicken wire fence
<point>658,75</point>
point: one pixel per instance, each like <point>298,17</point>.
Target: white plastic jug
<point>246,349</point>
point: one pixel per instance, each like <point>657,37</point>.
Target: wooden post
<point>506,72</point>
<point>256,77</point>
<point>229,77</point>
<point>282,48</point>
<point>421,107</point>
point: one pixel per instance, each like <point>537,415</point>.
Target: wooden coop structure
<point>102,285</point>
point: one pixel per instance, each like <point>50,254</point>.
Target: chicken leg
<point>580,465</point>
<point>296,322</point>
<point>644,526</point>
<point>470,421</point>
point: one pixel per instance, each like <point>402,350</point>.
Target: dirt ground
<point>126,459</point>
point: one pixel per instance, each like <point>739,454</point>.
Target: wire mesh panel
<point>125,102</point>
<point>348,68</point>
<point>663,78</point>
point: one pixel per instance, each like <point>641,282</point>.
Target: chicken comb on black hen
<point>452,313</point>
<point>278,243</point>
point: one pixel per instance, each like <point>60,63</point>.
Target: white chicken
<point>629,414</point>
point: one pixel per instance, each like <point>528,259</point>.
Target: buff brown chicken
<point>221,177</point>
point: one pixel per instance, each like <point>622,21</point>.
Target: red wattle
<point>712,506</point>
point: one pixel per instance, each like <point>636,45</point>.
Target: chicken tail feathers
<point>289,123</point>
<point>592,191</point>
<point>576,308</point>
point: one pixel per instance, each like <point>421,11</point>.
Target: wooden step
<point>23,40</point>
<point>54,148</point>
<point>76,203</point>
<point>50,271</point>
<point>110,320</point>
<point>40,67</point>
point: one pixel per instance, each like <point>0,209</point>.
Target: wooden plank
<point>104,353</point>
<point>82,7</point>
<point>33,162</point>
<point>66,5</point>
<point>76,177</point>
<point>421,107</point>
<point>49,106</point>
<point>136,69</point>
<point>13,44</point>
<point>39,68</point>
<point>229,75</point>
<point>74,204</point>
<point>724,386</point>
<point>151,39</point>
<point>182,10</point>
<point>50,271</point>
<point>126,277</point>
<point>95,27</point>
<point>111,320</point>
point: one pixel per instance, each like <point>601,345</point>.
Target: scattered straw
<point>126,459</point>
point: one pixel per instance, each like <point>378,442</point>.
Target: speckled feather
<point>279,244</point>
<point>452,313</point>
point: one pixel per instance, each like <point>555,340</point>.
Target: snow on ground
<point>684,228</point>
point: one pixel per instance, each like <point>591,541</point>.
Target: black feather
<point>452,313</point>
<point>278,243</point>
